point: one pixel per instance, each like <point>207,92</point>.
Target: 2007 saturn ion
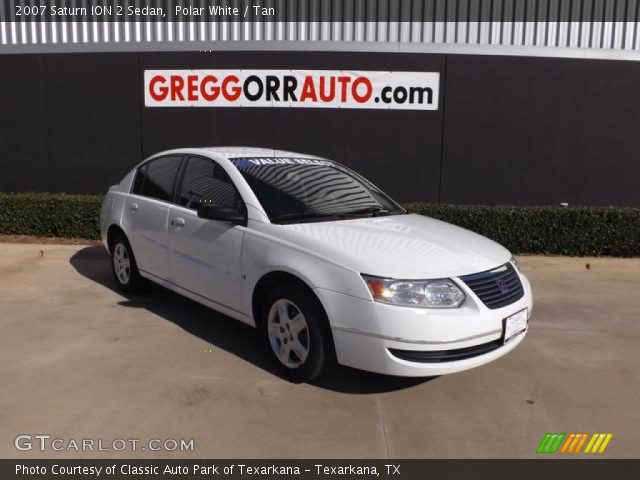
<point>322,262</point>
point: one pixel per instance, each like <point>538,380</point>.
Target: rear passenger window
<point>205,181</point>
<point>157,178</point>
<point>139,180</point>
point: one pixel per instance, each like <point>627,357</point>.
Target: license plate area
<point>515,325</point>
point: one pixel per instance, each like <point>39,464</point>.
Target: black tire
<point>321,351</point>
<point>132,282</point>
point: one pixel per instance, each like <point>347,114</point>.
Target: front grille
<point>496,288</point>
<point>445,355</point>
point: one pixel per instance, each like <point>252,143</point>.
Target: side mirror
<point>208,211</point>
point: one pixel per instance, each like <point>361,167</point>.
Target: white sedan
<point>321,261</point>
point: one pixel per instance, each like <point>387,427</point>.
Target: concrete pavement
<point>79,360</point>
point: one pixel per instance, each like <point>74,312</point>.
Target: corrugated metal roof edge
<point>333,46</point>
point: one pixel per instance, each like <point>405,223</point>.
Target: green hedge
<point>575,231</point>
<point>50,215</point>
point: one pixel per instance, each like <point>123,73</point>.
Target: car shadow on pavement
<point>224,332</point>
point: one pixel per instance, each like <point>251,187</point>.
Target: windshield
<point>302,189</point>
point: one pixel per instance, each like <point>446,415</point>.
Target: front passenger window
<point>205,181</point>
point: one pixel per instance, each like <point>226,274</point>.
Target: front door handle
<point>134,207</point>
<point>178,222</point>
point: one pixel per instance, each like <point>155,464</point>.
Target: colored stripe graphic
<point>550,442</point>
<point>574,443</point>
<point>598,442</point>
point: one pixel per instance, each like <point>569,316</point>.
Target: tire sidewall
<point>319,355</point>
<point>134,282</point>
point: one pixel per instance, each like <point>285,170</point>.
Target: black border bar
<point>582,469</point>
<point>325,10</point>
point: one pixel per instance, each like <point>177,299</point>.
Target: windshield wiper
<point>374,211</point>
<point>289,217</point>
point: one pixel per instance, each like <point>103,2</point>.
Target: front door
<point>205,255</point>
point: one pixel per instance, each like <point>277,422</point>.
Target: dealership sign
<point>292,88</point>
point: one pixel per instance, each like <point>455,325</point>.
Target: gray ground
<point>79,360</point>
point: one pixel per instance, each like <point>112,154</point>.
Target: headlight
<point>514,262</point>
<point>441,293</point>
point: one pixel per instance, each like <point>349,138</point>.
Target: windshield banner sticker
<point>292,88</point>
<point>267,162</point>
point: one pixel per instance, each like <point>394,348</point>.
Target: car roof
<point>231,153</point>
<point>244,152</point>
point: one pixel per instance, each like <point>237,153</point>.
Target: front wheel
<point>297,333</point>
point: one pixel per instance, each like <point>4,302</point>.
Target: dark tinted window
<point>205,181</point>
<point>156,178</point>
<point>288,187</point>
<point>139,180</point>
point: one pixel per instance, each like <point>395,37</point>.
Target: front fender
<point>263,254</point>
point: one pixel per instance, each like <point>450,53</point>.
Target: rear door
<point>205,255</point>
<point>146,214</point>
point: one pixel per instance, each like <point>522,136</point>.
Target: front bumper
<point>366,333</point>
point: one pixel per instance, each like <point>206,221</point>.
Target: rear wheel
<point>296,332</point>
<point>124,267</point>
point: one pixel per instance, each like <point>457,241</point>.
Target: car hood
<point>399,246</point>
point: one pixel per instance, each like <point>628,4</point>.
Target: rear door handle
<point>134,207</point>
<point>178,222</point>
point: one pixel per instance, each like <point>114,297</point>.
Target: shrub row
<point>50,215</point>
<point>575,231</point>
<point>549,230</point>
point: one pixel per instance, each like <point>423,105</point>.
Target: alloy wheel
<point>122,263</point>
<point>288,333</point>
